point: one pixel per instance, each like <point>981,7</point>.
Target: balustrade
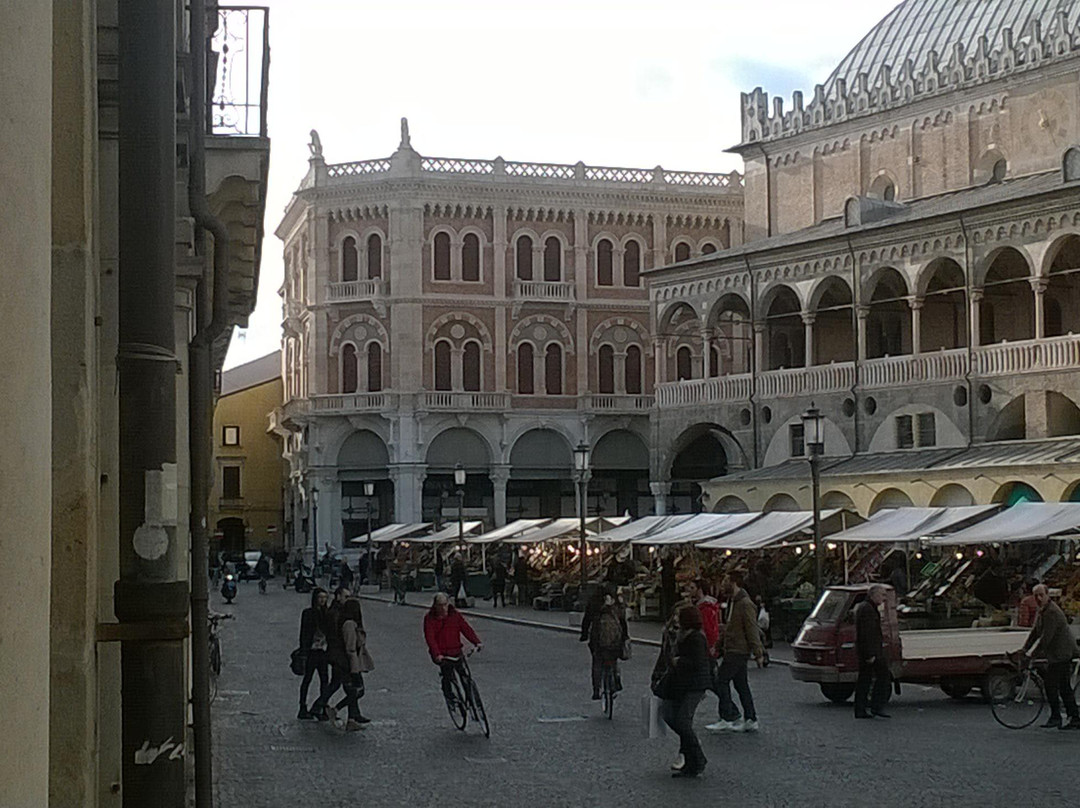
<point>465,401</point>
<point>544,290</point>
<point>355,290</point>
<point>705,391</point>
<point>1008,358</point>
<point>617,403</point>
<point>351,402</point>
<point>894,371</point>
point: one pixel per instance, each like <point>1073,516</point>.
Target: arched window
<point>714,362</point>
<point>633,370</point>
<point>525,369</point>
<point>606,362</point>
<point>682,251</point>
<point>348,369</point>
<point>470,367</point>
<point>442,365</point>
<point>553,370</point>
<point>708,249</point>
<point>349,261</point>
<point>684,366</point>
<point>631,263</point>
<point>374,367</point>
<point>374,256</point>
<point>470,258</point>
<point>524,258</point>
<point>442,257</point>
<point>552,259</point>
<point>605,274</point>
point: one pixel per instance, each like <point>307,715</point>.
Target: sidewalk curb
<point>517,621</point>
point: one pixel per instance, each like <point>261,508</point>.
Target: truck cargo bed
<point>961,642</point>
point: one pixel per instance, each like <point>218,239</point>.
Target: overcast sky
<point>609,82</point>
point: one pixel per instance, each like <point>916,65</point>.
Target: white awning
<point>768,529</point>
<point>392,532</point>
<point>1026,521</point>
<point>507,531</point>
<point>639,528</point>
<point>912,524</point>
<point>699,528</point>
<point>558,529</point>
<point>447,534</point>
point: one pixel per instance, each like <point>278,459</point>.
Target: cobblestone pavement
<point>551,747</point>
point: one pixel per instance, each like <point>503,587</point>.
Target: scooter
<point>228,588</point>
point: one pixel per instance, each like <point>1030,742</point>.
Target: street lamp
<point>581,477</point>
<point>369,492</point>
<point>459,481</point>
<point>314,528</point>
<point>814,442</point>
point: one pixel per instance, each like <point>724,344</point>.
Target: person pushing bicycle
<point>444,627</point>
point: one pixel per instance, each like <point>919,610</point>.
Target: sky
<point>610,82</point>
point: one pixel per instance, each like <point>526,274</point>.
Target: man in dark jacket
<point>873,663</point>
<point>742,639</point>
<point>1052,640</point>
<point>682,687</point>
<point>313,645</point>
<point>604,628</point>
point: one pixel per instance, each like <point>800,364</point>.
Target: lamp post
<point>314,528</point>
<point>581,477</point>
<point>369,492</point>
<point>814,442</point>
<point>459,481</point>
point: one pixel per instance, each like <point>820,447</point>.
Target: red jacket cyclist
<point>443,628</point>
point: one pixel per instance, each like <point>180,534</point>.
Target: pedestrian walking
<point>668,584</point>
<point>873,683</point>
<point>350,660</point>
<point>440,570</point>
<point>680,679</point>
<point>313,624</point>
<point>1051,639</point>
<point>742,640</point>
<point>604,628</point>
<point>521,579</point>
<point>498,583</point>
<point>346,574</point>
<point>458,589</point>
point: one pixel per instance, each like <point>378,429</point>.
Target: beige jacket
<point>355,638</point>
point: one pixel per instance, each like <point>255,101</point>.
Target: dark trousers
<point>446,673</point>
<point>874,673</point>
<point>679,715</point>
<point>498,591</point>
<point>315,663</point>
<point>353,685</point>
<point>598,659</point>
<point>1058,690</point>
<point>732,670</point>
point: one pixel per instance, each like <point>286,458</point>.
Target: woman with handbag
<point>350,660</point>
<point>680,680</point>
<point>310,657</point>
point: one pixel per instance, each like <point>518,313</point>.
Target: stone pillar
<point>500,475</point>
<point>457,355</point>
<point>976,324</point>
<point>759,348</point>
<point>660,492</point>
<point>916,304</point>
<point>808,319</point>
<point>26,57</point>
<point>1038,286</point>
<point>861,313</point>
<point>706,352</point>
<point>620,371</point>
<point>661,361</point>
<point>408,479</point>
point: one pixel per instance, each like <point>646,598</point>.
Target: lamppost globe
<point>814,444</point>
<point>582,454</point>
<point>369,489</point>
<point>459,475</point>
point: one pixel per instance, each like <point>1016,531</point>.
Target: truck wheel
<point>954,690</point>
<point>997,680</point>
<point>838,692</point>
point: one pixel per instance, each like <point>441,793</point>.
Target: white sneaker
<point>679,764</point>
<point>721,726</point>
<point>750,726</point>
<point>738,726</point>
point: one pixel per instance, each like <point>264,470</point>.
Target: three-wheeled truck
<point>956,660</point>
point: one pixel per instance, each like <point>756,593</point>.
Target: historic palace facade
<point>911,267</point>
<point>484,312</point>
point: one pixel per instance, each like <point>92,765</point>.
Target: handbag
<point>627,650</point>
<point>298,661</point>
<point>664,686</point>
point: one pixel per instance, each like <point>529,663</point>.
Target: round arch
<point>890,498</point>
<point>785,333</point>
<point>1010,423</point>
<point>832,306</point>
<point>952,495</point>
<point>1071,492</point>
<point>458,445</point>
<point>888,324</point>
<point>943,288</point>
<point>1062,271</point>
<point>731,504</point>
<point>1007,308</point>
<point>1015,492</point>
<point>837,499</point>
<point>781,502</point>
<point>540,453</point>
<point>620,474</point>
<point>363,450</point>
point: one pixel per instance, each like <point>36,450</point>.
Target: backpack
<point>609,634</point>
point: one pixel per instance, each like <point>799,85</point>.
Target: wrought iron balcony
<point>239,61</point>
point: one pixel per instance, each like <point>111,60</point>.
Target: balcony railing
<point>705,391</point>
<point>355,290</point>
<point>803,381</point>
<point>544,290</point>
<point>352,402</point>
<point>238,59</point>
<point>895,371</point>
<point>465,402</point>
<point>617,403</point>
<point>1006,359</point>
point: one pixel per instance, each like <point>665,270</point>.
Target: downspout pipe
<point>213,294</point>
<point>856,301</point>
<point>971,336</point>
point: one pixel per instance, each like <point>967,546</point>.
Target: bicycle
<point>214,620</point>
<point>465,696</point>
<point>608,687</point>
<point>1017,697</point>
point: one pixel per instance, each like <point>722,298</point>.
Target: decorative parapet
<point>868,95</point>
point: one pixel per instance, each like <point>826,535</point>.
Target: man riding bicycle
<point>443,628</point>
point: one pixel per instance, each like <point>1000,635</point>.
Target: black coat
<point>691,667</point>
<point>869,641</point>
<point>310,622</point>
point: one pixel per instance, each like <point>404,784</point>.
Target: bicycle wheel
<point>215,656</point>
<point>609,691</point>
<point>479,714</point>
<point>1017,699</point>
<point>456,704</point>
<point>213,687</point>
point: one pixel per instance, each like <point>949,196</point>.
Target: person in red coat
<point>444,627</point>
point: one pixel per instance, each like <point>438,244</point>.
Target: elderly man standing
<point>873,663</point>
<point>1051,639</point>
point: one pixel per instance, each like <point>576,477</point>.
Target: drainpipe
<point>754,369</point>
<point>856,300</point>
<point>970,336</point>
<point>151,597</point>
<point>201,401</point>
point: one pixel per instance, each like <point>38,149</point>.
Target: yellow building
<point>246,506</point>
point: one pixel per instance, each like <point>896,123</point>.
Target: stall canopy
<point>1026,521</point>
<point>639,528</point>
<point>392,532</point>
<point>447,534</point>
<point>912,524</point>
<point>699,528</point>
<point>767,529</point>
<point>565,529</point>
<point>507,531</point>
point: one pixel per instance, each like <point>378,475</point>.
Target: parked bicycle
<point>214,621</point>
<point>465,699</point>
<point>1018,696</point>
